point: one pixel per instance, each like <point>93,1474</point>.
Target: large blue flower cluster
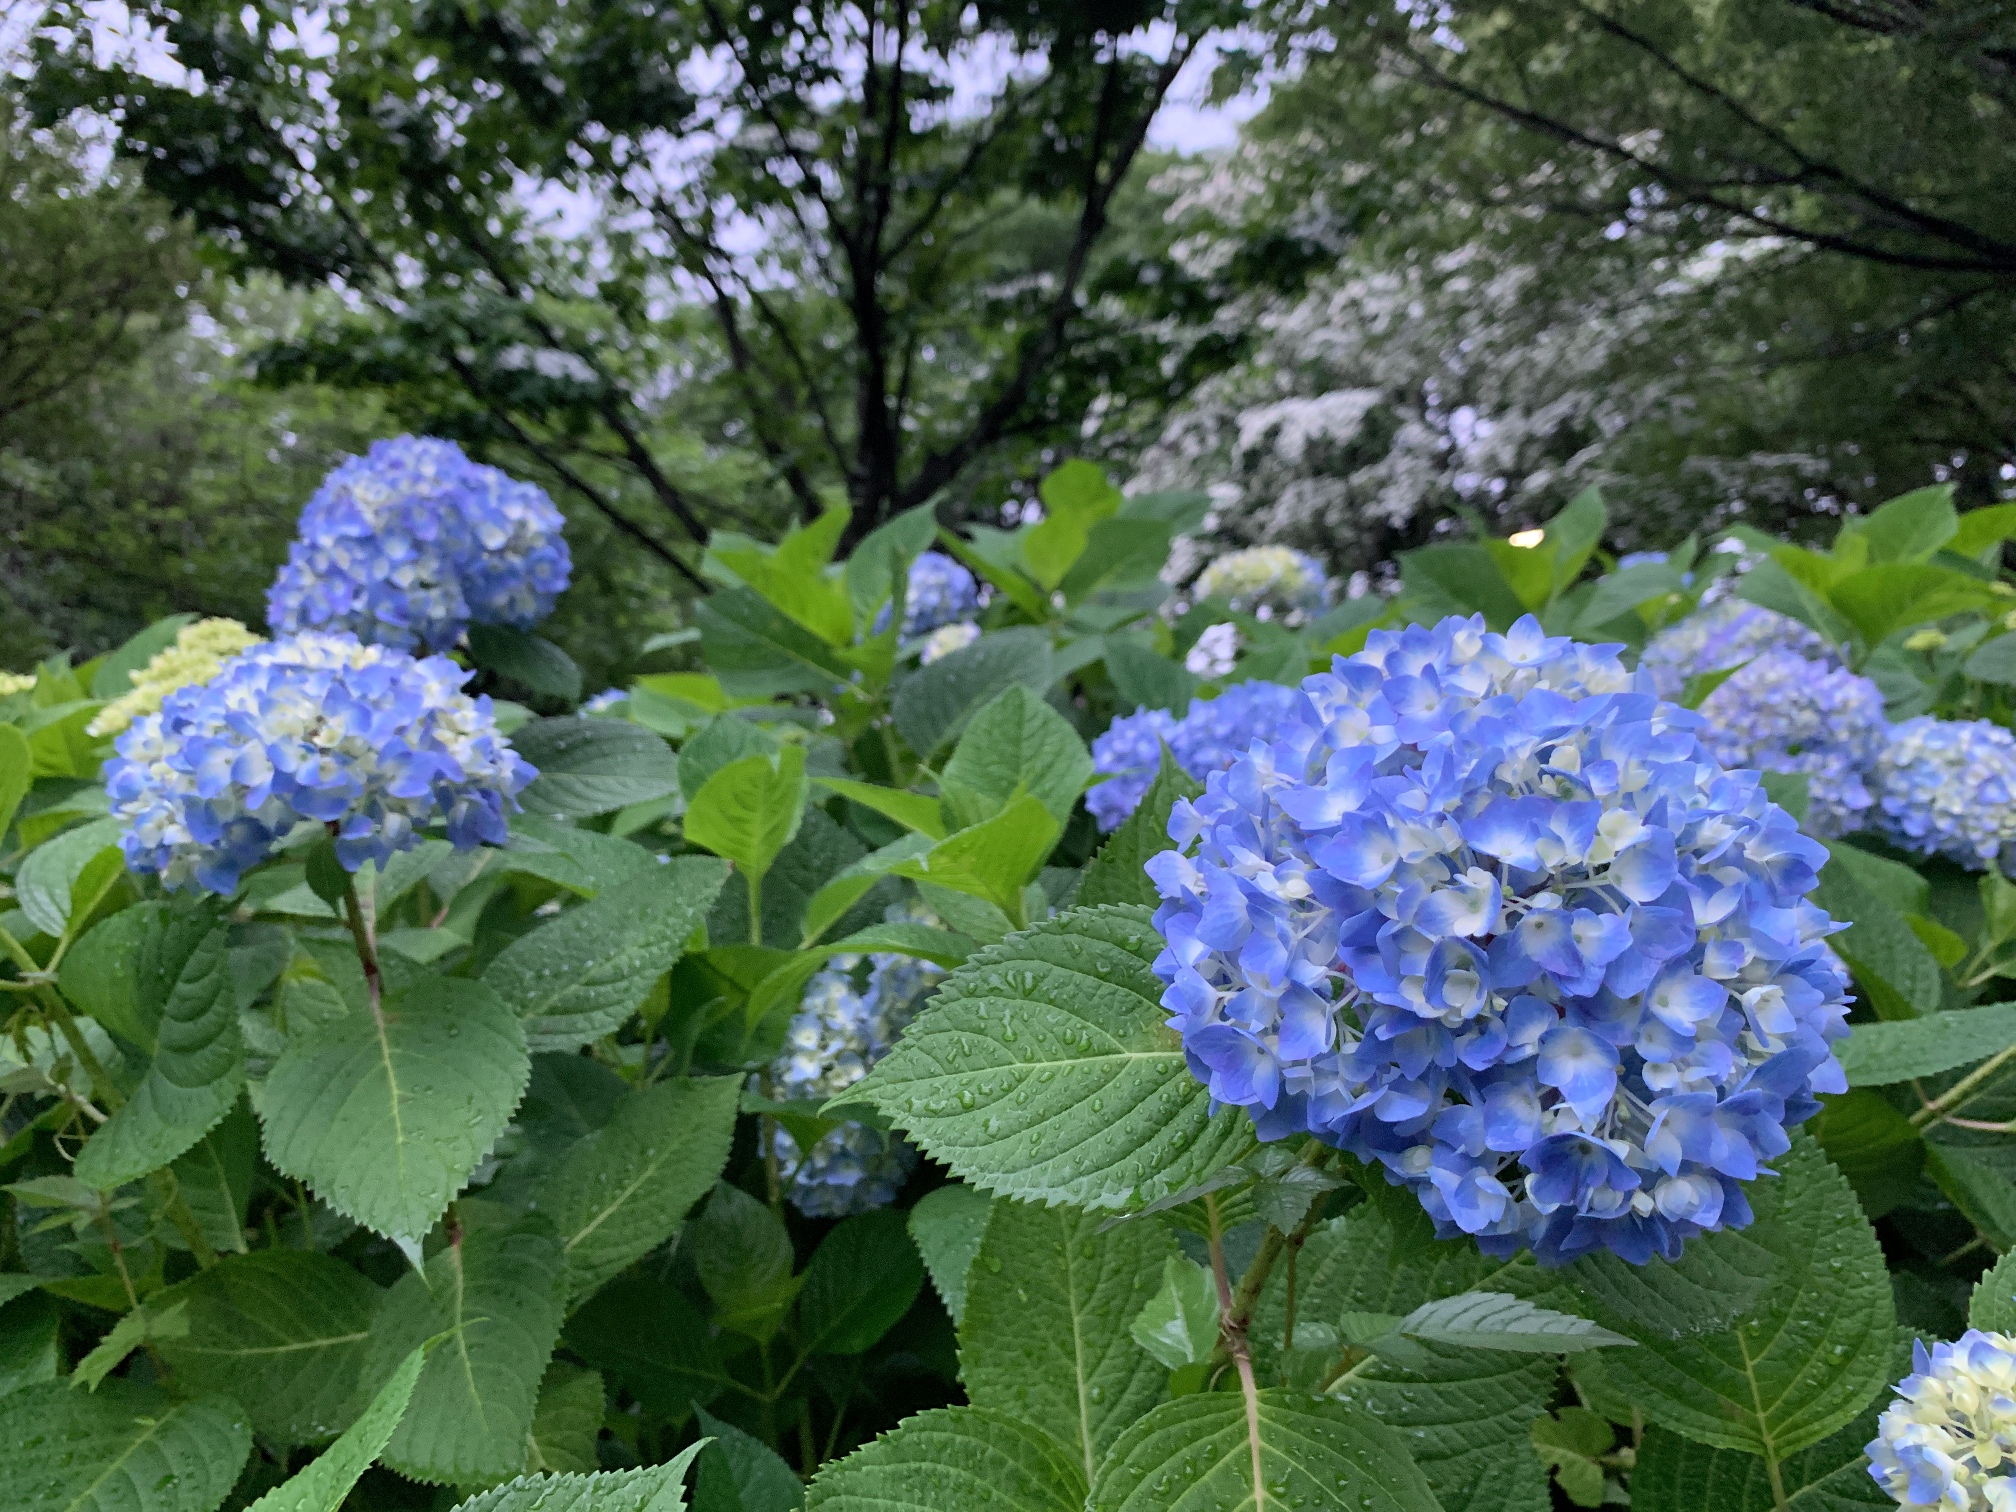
<point>1486,913</point>
<point>1948,1440</point>
<point>1780,712</point>
<point>1214,733</point>
<point>940,592</point>
<point>1721,635</point>
<point>1947,787</point>
<point>839,1031</point>
<point>409,544</point>
<point>317,728</point>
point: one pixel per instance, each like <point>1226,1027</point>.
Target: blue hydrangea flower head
<point>1780,712</point>
<point>1266,581</point>
<point>1205,740</point>
<point>1947,787</point>
<point>1721,635</point>
<point>1948,1440</point>
<point>408,544</point>
<point>1486,913</point>
<point>315,728</point>
<point>940,592</point>
<point>839,1031</point>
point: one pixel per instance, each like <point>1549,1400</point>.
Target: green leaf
<point>880,564</point>
<point>1121,562</point>
<point>17,774</point>
<point>281,1332</point>
<point>101,972</point>
<point>325,1484</point>
<point>1978,1186</point>
<point>1116,875</point>
<point>1891,964</point>
<point>199,1062</point>
<point>593,766</point>
<point>1876,1055</point>
<point>580,860</point>
<point>496,1289</point>
<point>793,576</point>
<point>749,810</point>
<point>1911,527</point>
<point>954,1457</point>
<point>1457,579</point>
<point>386,1115</point>
<point>1808,1354</point>
<point>1045,1338</point>
<point>114,677</point>
<point>1981,529</point>
<point>720,741</point>
<point>932,705</point>
<point>911,810</point>
<point>757,651</point>
<point>1043,1070</point>
<point>518,654</point>
<point>861,1280</point>
<point>567,1421</point>
<point>1774,585</point>
<point>1196,1453</point>
<point>1015,745</point>
<point>1880,601</point>
<point>623,1190</point>
<point>123,1448</point>
<point>993,860</point>
<point>582,975</point>
<point>1075,496</point>
<point>740,1473</point>
<point>1571,1443</point>
<point>743,1256</point>
<point>647,1336</point>
<point>1993,1303</point>
<point>1874,1146</point>
<point>1621,592</point>
<point>947,1226</point>
<point>657,1489</point>
<point>1143,679</point>
<point>1179,1324</point>
<point>42,886</point>
<point>1492,1320</point>
<point>1993,661</point>
<point>215,1178</point>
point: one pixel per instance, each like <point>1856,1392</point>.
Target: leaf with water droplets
<point>122,1448</point>
<point>325,1483</point>
<point>997,1078</point>
<point>959,1457</point>
<point>661,1488</point>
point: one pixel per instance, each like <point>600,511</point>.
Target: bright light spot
<point>1526,540</point>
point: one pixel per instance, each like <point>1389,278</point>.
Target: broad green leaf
<point>953,1457</point>
<point>282,1332</point>
<point>993,860</point>
<point>1978,1185</point>
<point>1015,745</point>
<point>1993,1303</point>
<point>1043,1070</point>
<point>385,1115</point>
<point>28,1339</point>
<point>1075,496</point>
<point>17,773</point>
<point>122,1448</point>
<point>947,1225</point>
<point>1911,527</point>
<point>738,1472</point>
<point>580,976</point>
<point>1993,661</point>
<point>199,1059</point>
<point>496,1289</point>
<point>1122,560</point>
<point>1571,1442</point>
<point>581,860</point>
<point>877,566</point>
<point>932,705</point>
<point>911,810</point>
<point>1116,874</point>
<point>1807,1355</point>
<point>1890,963</point>
<point>1879,601</point>
<point>1492,1320</point>
<point>1621,592</point>
<point>593,766</point>
<point>325,1483</point>
<point>1573,534</point>
<point>623,1190</point>
<point>717,743</point>
<point>1457,579</point>
<point>647,1336</point>
<point>567,1421</point>
<point>1143,679</point>
<point>749,810</point>
<point>1875,1055</point>
<point>114,676</point>
<point>1179,1324</point>
<point>1778,586</point>
<point>101,973</point>
<point>1196,1453</point>
<point>1874,1146</point>
<point>793,575</point>
<point>1049,1305</point>
<point>43,884</point>
<point>518,654</point>
<point>758,651</point>
<point>743,1256</point>
<point>657,1489</point>
<point>861,1280</point>
<point>1981,529</point>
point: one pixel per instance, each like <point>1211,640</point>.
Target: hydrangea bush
<point>1451,1080</point>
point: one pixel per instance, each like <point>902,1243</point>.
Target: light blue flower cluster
<point>316,728</point>
<point>1486,913</point>
<point>409,544</point>
<point>838,1032</point>
<point>1203,741</point>
<point>1949,1440</point>
<point>1721,635</point>
<point>940,592</point>
<point>1947,787</point>
<point>1780,712</point>
<point>1265,581</point>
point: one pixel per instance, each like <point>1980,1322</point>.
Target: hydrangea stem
<point>1233,1336</point>
<point>1957,1094</point>
<point>366,938</point>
